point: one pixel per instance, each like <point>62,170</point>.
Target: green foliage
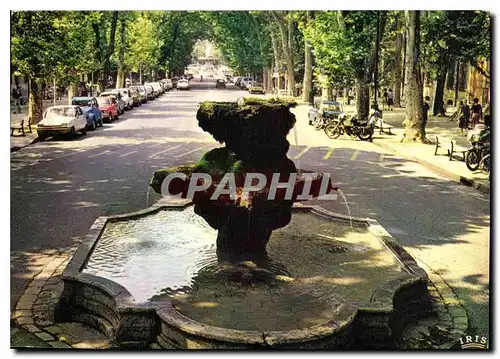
<point>237,35</point>
<point>36,42</point>
<point>462,35</point>
<point>342,42</point>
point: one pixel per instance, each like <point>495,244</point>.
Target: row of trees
<point>311,49</point>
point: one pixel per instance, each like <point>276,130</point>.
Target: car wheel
<point>72,132</point>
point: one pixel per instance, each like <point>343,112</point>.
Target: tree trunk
<point>286,53</point>
<point>328,92</point>
<point>438,108</point>
<point>414,121</point>
<point>120,80</point>
<point>276,59</point>
<point>35,104</point>
<point>397,70</point>
<point>307,85</point>
<point>109,51</point>
<point>403,81</point>
<point>362,96</point>
<point>457,82</point>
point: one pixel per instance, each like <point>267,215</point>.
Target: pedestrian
<point>426,110</point>
<point>390,100</point>
<point>15,96</point>
<point>462,118</point>
<point>384,100</point>
<point>477,112</point>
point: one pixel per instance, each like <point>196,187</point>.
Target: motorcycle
<point>478,156</point>
<point>350,125</point>
<point>320,122</point>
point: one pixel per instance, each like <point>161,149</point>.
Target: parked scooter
<point>350,125</point>
<point>478,156</point>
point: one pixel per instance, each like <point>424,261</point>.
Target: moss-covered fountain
<point>243,270</point>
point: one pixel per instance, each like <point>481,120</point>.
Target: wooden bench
<point>453,150</point>
<point>456,149</point>
<point>19,126</point>
<point>380,124</point>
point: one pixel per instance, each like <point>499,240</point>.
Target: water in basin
<point>315,264</point>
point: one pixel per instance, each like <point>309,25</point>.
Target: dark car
<point>90,108</point>
<point>220,84</point>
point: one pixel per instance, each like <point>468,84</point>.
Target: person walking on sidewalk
<point>477,112</point>
<point>390,100</point>
<point>384,101</point>
<point>463,117</point>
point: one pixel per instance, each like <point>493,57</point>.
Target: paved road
<point>59,187</point>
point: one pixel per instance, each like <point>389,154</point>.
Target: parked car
<point>175,79</point>
<point>109,108</point>
<point>183,85</point>
<point>169,84</point>
<point>256,87</point>
<point>127,98</point>
<point>141,91</point>
<point>136,97</point>
<point>150,92</point>
<point>245,81</point>
<point>90,108</point>
<point>120,104</point>
<point>157,88</point>
<point>62,120</point>
<point>331,109</point>
<point>220,84</point>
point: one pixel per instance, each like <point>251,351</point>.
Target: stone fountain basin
<point>328,286</point>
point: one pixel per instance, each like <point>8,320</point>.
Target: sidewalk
<point>17,141</point>
<point>447,130</point>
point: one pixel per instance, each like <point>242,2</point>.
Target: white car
<point>169,84</point>
<point>62,120</point>
<point>127,98</point>
<point>245,82</point>
<point>156,88</point>
<point>183,85</point>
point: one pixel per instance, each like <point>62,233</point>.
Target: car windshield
<point>81,102</point>
<point>104,100</point>
<point>333,106</point>
<point>60,111</point>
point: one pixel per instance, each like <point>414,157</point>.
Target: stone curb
<point>438,169</point>
<point>17,148</point>
<point>452,315</point>
<point>35,309</point>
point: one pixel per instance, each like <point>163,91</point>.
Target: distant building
<point>478,85</point>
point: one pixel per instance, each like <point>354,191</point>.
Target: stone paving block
<point>24,320</point>
<point>33,290</point>
<point>44,336</point>
<point>21,313</point>
<point>457,311</point>
<point>460,320</point>
<point>31,328</point>
<point>43,322</point>
<point>24,305</point>
<point>53,329</point>
<point>28,298</point>
<point>37,283</point>
<point>60,345</point>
